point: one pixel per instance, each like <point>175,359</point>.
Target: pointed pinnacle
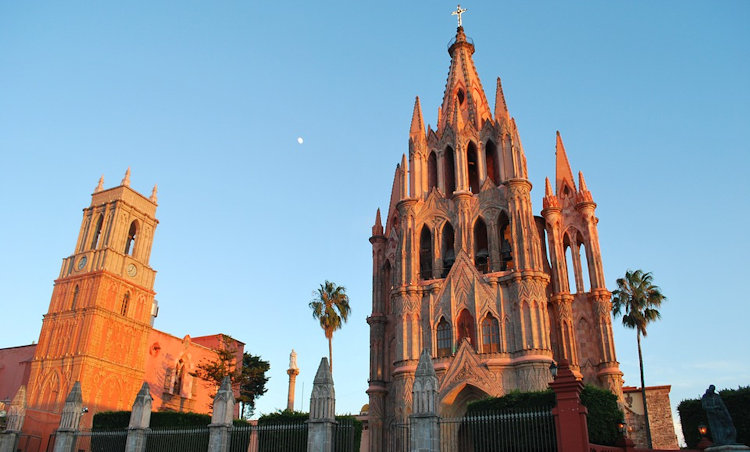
<point>100,185</point>
<point>581,182</point>
<point>547,187</point>
<point>417,124</point>
<point>153,194</point>
<point>378,221</point>
<point>457,117</point>
<point>377,228</point>
<point>562,167</point>
<point>126,180</point>
<point>501,108</point>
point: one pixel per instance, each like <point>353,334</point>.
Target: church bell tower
<point>100,313</point>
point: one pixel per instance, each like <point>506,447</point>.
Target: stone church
<point>99,326</point>
<point>465,269</point>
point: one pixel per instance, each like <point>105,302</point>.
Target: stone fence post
<point>322,411</point>
<point>140,419</point>
<point>65,436</point>
<point>16,415</point>
<point>425,431</point>
<point>570,414</point>
<point>221,418</point>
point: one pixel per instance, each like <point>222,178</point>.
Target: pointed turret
<point>377,228</point>
<point>550,200</point>
<point>126,180</point>
<point>100,185</point>
<point>153,197</point>
<point>584,195</point>
<point>501,108</point>
<point>463,88</point>
<point>416,132</point>
<point>563,173</point>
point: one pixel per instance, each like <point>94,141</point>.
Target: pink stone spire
<point>100,185</point>
<point>377,228</point>
<point>126,180</point>
<point>416,132</point>
<point>153,194</point>
<point>563,172</point>
<point>501,108</point>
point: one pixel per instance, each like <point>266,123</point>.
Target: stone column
<point>16,415</point>
<point>293,371</point>
<point>570,414</point>
<point>322,411</point>
<point>140,419</point>
<point>425,432</point>
<point>221,418</point>
<point>65,435</point>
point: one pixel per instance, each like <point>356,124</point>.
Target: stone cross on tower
<point>458,13</point>
<point>293,371</point>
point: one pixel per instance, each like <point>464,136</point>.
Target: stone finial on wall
<point>17,411</point>
<point>73,409</point>
<point>140,416</point>
<point>424,390</point>
<point>323,397</point>
<point>126,180</point>
<point>223,403</point>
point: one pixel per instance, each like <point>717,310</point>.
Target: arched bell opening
<point>505,240</point>
<point>481,249</point>
<point>449,172</point>
<point>432,179</point>
<point>472,165</point>
<point>448,252</point>
<point>425,253</point>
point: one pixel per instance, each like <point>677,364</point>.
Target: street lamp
<point>553,370</point>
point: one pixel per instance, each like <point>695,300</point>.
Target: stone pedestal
<point>221,418</point>
<point>140,419</point>
<point>425,431</point>
<point>322,411</point>
<point>8,441</point>
<point>570,414</point>
<point>65,436</point>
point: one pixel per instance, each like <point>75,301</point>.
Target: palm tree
<point>331,307</point>
<point>637,300</point>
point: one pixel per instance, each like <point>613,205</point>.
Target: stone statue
<point>719,420</point>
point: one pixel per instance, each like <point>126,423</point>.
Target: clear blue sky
<point>207,99</point>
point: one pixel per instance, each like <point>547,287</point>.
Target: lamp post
<point>704,443</point>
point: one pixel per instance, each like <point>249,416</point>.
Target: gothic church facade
<point>464,269</point>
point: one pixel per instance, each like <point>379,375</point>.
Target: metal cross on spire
<point>458,13</point>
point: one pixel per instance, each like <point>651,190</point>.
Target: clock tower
<point>99,319</point>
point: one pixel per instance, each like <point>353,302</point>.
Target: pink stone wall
<point>15,364</point>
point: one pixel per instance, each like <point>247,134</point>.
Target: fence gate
<point>29,443</point>
<point>531,431</point>
<point>101,440</point>
<point>399,438</point>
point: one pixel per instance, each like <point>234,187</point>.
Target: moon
<point>300,140</point>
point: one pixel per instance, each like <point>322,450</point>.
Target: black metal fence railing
<point>51,443</point>
<point>344,436</point>
<point>284,437</point>
<point>101,440</point>
<point>188,439</point>
<point>399,440</point>
<point>531,431</point>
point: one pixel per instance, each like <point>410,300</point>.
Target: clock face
<point>132,270</point>
<point>82,263</point>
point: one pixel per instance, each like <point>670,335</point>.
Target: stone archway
<point>453,404</point>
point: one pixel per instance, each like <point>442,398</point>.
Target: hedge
<point>603,412</point>
<point>738,404</point>
<point>113,420</point>
<point>294,417</point>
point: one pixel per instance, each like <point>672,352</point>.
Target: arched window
<point>585,273</point>
<point>493,169</point>
<point>449,256</point>
<point>444,338</point>
<point>97,232</point>
<point>504,239</point>
<point>125,302</point>
<point>481,250</point>
<point>466,328</point>
<point>75,298</point>
<point>387,286</point>
<point>450,172</point>
<point>130,243</point>
<point>179,374</point>
<point>432,179</point>
<point>472,164</point>
<point>425,253</point>
<point>490,335</point>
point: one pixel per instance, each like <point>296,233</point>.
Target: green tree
<point>250,377</point>
<point>331,307</point>
<point>637,299</point>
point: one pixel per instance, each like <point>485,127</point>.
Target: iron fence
<point>184,439</point>
<point>527,431</point>
<point>344,436</point>
<point>291,436</point>
<point>101,440</point>
<point>399,438</point>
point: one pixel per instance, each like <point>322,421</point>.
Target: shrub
<point>110,420</point>
<point>603,412</point>
<point>738,405</point>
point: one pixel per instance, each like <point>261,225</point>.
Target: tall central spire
<point>464,101</point>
